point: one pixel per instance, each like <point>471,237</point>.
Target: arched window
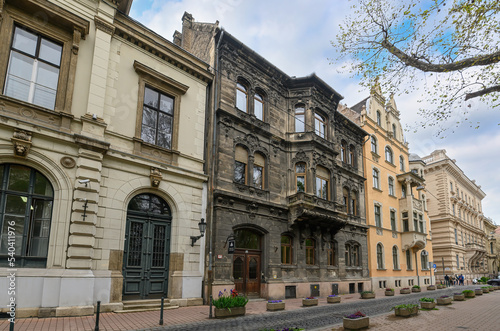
<point>351,157</point>
<point>348,252</point>
<point>394,130</point>
<point>380,256</point>
<point>379,118</point>
<point>343,151</point>
<point>353,207</point>
<point>355,255</point>
<point>408,260</point>
<point>241,97</point>
<point>391,186</point>
<point>300,176</point>
<point>26,201</point>
<point>401,163</point>
<point>286,249</point>
<point>310,251</point>
<point>332,253</point>
<point>345,194</point>
<point>259,164</point>
<point>389,157</point>
<point>376,179</point>
<point>424,258</point>
<point>240,165</point>
<point>300,118</point>
<point>258,106</point>
<point>320,125</point>
<point>322,183</point>
<point>374,144</point>
<point>395,259</point>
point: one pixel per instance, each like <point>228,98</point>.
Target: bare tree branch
<point>482,92</point>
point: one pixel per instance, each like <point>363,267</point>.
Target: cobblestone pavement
<point>480,314</point>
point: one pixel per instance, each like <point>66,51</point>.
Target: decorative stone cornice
<point>102,25</point>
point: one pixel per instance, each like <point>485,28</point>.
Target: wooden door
<point>246,272</point>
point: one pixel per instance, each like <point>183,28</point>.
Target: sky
<point>296,35</point>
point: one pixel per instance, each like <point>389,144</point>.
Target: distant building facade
<point>399,234</point>
<point>102,173</point>
<point>492,250</point>
<point>458,222</point>
<point>283,158</point>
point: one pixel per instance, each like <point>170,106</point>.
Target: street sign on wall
<point>230,248</point>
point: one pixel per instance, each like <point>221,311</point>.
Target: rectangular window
<point>376,182</point>
<point>33,71</point>
<point>331,254</point>
<point>408,260</point>
<point>458,263</point>
<point>451,186</point>
<point>393,220</point>
<point>299,119</point>
<point>322,188</point>
<point>157,118</point>
<point>415,222</point>
<point>310,251</point>
<point>406,226</point>
<point>391,186</point>
<point>453,209</point>
<point>421,222</point>
<point>239,172</point>
<point>378,220</point>
<point>300,175</point>
<point>456,237</point>
<point>320,125</point>
<point>257,176</point>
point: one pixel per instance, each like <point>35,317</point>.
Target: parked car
<point>494,281</point>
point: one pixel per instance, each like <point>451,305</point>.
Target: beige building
<point>399,233</point>
<point>491,248</point>
<point>458,223</point>
<point>102,179</point>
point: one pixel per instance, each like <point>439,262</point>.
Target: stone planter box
<point>309,302</point>
<point>274,306</point>
<point>414,289</point>
<point>470,295</point>
<point>367,295</point>
<point>357,323</point>
<point>444,301</point>
<point>486,290</point>
<point>440,287</point>
<point>405,291</point>
<point>333,299</point>
<point>458,297</point>
<point>389,293</point>
<point>478,291</point>
<point>406,312</point>
<point>427,305</point>
<point>225,312</point>
<point>496,287</point>
<point>431,288</point>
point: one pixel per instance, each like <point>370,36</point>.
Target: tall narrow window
<point>350,157</point>
<point>388,155</point>
<point>415,222</point>
<point>380,257</point>
<point>401,163</point>
<point>391,186</point>
<point>395,261</point>
<point>376,179</point>
<point>157,118</point>
<point>332,254</point>
<point>458,263</point>
<point>393,220</point>
<point>403,191</point>
<point>258,106</point>
<point>456,237</point>
<point>343,151</point>
<point>394,130</point>
<point>379,119</point>
<point>300,119</point>
<point>310,251</point>
<point>353,208</point>
<point>322,182</point>
<point>374,144</point>
<point>258,170</point>
<point>345,194</point>
<point>424,258</point>
<point>378,219</point>
<point>408,260</point>
<point>404,218</point>
<point>421,222</point>
<point>348,255</point>
<point>240,165</point>
<point>286,250</point>
<point>33,71</point>
<point>241,97</point>
<point>300,176</point>
<point>320,125</point>
<point>451,186</point>
<point>453,209</point>
<point>355,255</point>
<point>26,201</point>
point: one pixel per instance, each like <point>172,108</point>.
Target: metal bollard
<point>11,327</point>
<point>210,313</point>
<point>97,316</point>
<point>161,311</point>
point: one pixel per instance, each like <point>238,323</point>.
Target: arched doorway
<point>246,262</point>
<point>147,248</point>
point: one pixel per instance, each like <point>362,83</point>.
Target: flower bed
<point>229,304</point>
<point>389,292</point>
<point>416,288</point>
<point>274,305</point>
<point>431,288</point>
<point>406,310</point>
<point>309,301</point>
<point>427,303</point>
<point>444,300</point>
<point>485,289</point>
<point>469,293</point>
<point>333,298</point>
<point>405,290</point>
<point>458,297</point>
<point>478,291</point>
<point>356,321</point>
<point>367,295</point>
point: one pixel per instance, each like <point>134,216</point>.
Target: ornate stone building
<point>492,251</point>
<point>458,222</point>
<point>102,179</point>
<point>279,172</point>
<point>399,235</point>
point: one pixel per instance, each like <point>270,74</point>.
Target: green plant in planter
<point>467,291</point>
<point>367,292</point>
<point>230,300</point>
<point>427,299</point>
<point>416,286</point>
<point>389,289</point>
<point>483,279</point>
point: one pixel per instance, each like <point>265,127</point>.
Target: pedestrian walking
<point>447,280</point>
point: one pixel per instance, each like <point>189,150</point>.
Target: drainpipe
<point>416,266</point>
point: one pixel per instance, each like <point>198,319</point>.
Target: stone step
<point>146,301</point>
<point>145,309</point>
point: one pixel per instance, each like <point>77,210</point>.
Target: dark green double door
<point>146,256</point>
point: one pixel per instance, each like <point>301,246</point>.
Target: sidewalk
<point>482,313</point>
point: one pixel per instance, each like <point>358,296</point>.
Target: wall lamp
<point>203,226</point>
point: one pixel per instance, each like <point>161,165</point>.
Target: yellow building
<point>399,234</point>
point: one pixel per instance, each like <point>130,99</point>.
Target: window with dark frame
<point>258,106</point>
<point>389,157</point>
<point>258,171</point>
<point>322,182</point>
<point>395,259</point>
<point>408,260</point>
<point>380,257</point>
<point>240,165</point>
<point>374,144</point>
<point>379,119</point>
<point>391,186</point>
<point>351,160</point>
<point>300,117</point>
<point>393,219</point>
<point>376,179</point>
<point>332,255</point>
<point>241,97</point>
<point>286,250</point>
<point>33,70</point>
<point>300,176</point>
<point>378,218</point>
<point>343,151</point>
<point>401,163</point>
<point>157,118</point>
<point>320,125</point>
<point>310,251</point>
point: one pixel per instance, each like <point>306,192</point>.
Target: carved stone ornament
<point>155,176</point>
<point>22,142</point>
<point>68,162</point>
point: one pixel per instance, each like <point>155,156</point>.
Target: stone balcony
<point>413,240</point>
<point>474,252</point>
